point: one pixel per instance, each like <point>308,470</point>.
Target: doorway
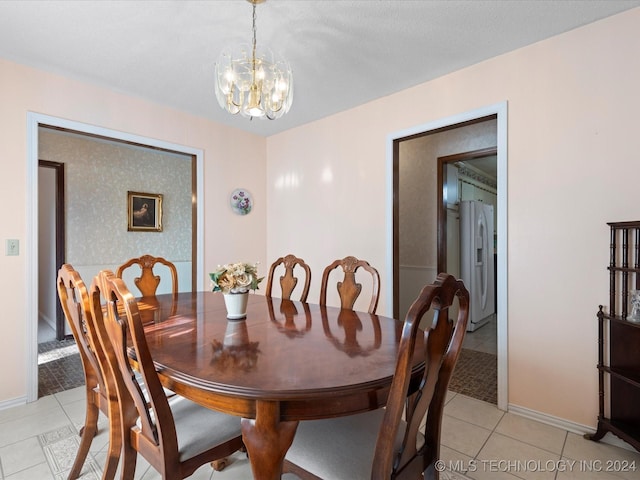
<point>51,248</point>
<point>421,266</point>
<point>467,206</point>
<point>100,172</point>
<point>34,122</point>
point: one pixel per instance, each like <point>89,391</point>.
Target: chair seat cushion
<point>339,448</point>
<point>198,428</point>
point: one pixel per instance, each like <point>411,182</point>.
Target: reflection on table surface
<point>281,347</point>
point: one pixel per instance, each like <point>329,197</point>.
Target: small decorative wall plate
<point>241,201</point>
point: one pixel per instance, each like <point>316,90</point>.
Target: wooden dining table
<point>286,362</point>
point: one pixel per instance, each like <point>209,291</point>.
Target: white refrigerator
<point>476,260</point>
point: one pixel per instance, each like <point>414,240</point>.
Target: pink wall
<point>228,155</point>
<point>572,167</point>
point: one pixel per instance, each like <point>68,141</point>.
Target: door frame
<point>393,267</point>
<point>34,121</point>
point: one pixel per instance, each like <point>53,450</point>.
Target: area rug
<point>59,367</point>
<point>475,375</point>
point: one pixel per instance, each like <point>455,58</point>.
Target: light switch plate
<point>12,247</point>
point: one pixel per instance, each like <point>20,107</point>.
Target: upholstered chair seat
<point>338,459</point>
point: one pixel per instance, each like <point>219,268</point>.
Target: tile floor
<point>38,441</point>
<point>484,339</point>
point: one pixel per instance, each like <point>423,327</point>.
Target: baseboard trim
<point>13,402</point>
<point>564,424</point>
<point>558,422</point>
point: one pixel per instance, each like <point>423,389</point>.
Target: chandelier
<point>252,82</point>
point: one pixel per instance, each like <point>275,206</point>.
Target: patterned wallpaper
<point>418,184</point>
<point>98,175</point>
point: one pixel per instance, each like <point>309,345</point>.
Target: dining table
<point>286,362</point>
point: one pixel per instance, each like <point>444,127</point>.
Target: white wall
<point>572,167</point>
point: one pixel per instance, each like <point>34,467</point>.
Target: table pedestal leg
<point>267,440</point>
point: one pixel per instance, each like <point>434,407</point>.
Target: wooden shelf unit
<point>619,340</point>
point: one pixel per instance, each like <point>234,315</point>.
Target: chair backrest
<point>122,329</point>
<point>348,289</point>
<point>443,341</point>
<point>147,282</point>
<point>288,281</point>
<point>74,299</point>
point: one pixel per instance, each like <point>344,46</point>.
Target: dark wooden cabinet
<point>619,340</point>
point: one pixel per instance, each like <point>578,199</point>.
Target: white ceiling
<point>342,52</point>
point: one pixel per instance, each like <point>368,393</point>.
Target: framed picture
<point>241,201</point>
<point>144,212</point>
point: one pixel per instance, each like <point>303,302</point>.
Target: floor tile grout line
<point>29,467</point>
<point>492,432</point>
<point>566,433</point>
<point>564,444</point>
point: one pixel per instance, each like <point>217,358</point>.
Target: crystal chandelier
<point>252,82</point>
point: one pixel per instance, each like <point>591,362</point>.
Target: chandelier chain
<point>253,53</point>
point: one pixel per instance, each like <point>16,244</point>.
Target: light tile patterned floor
<point>38,441</point>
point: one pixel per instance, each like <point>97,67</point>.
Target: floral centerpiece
<point>235,278</point>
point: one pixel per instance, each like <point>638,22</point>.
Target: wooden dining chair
<point>288,281</point>
<point>176,436</point>
<point>348,289</point>
<point>384,443</point>
<point>74,299</point>
<point>148,282</point>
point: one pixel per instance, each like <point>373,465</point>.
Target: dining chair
<point>387,443</point>
<point>288,281</point>
<point>148,282</point>
<point>74,299</point>
<point>348,289</point>
<point>174,435</point>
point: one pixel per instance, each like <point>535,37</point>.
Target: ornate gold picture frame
<point>144,212</point>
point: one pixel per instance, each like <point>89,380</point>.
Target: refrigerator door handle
<point>484,247</point>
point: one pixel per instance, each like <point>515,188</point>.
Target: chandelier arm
<point>230,99</point>
<point>276,110</point>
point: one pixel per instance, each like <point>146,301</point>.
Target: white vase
<point>236,304</point>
